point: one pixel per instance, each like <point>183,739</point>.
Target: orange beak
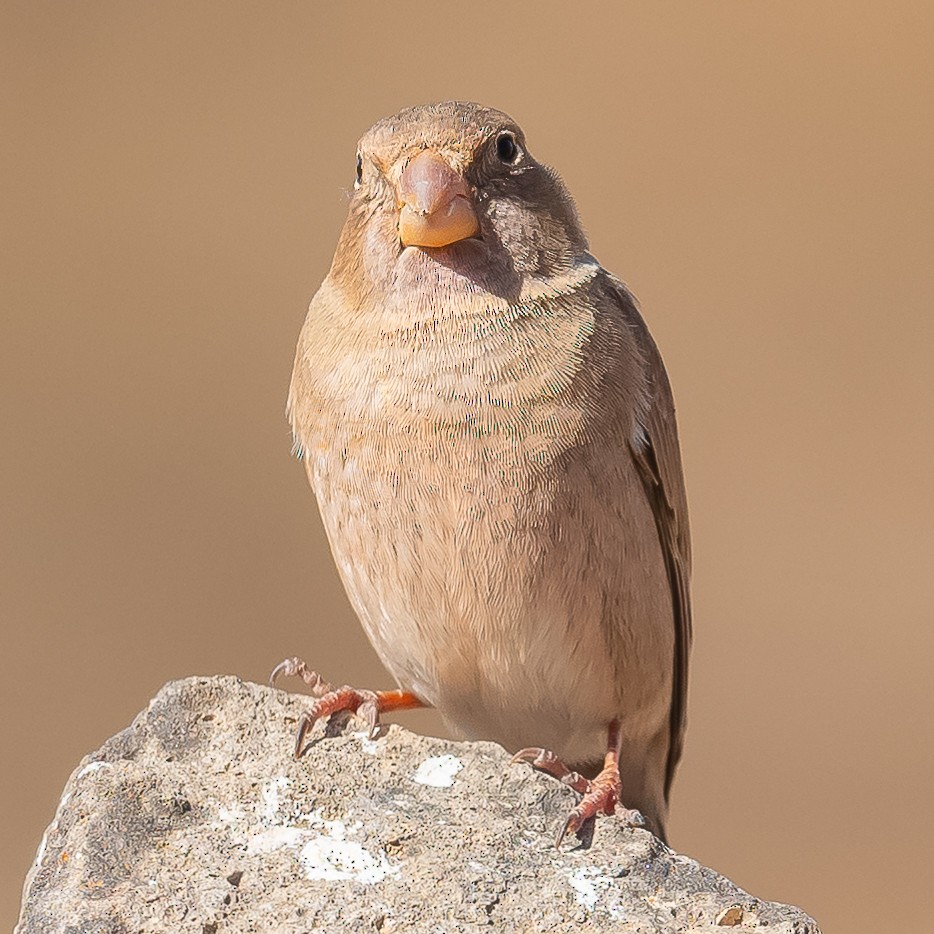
<point>435,201</point>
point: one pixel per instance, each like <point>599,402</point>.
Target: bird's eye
<point>507,149</point>
<point>359,169</point>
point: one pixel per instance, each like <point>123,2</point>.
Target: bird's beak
<point>435,203</point>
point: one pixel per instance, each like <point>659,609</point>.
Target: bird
<point>490,432</point>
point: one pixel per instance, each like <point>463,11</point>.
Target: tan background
<point>760,173</point>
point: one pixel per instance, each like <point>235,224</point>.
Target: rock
<point>197,819</point>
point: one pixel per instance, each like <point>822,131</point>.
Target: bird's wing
<point>655,449</point>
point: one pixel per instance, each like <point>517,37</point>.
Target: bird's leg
<point>600,795</point>
<point>338,704</point>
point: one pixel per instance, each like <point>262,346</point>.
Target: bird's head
<point>449,192</point>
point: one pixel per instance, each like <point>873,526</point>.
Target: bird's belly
<point>509,598</point>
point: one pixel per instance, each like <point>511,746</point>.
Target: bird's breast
<point>469,510</point>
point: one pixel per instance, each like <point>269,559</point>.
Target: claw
<point>369,711</point>
<point>572,823</point>
<point>283,668</point>
<point>303,724</point>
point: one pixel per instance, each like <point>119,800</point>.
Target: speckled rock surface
<point>197,819</point>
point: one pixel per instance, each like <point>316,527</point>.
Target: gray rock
<point>197,819</point>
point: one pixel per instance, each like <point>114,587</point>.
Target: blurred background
<point>174,178</point>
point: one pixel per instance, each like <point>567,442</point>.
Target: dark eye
<point>359,168</point>
<point>507,149</point>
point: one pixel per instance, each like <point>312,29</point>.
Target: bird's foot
<point>339,704</point>
<point>600,795</point>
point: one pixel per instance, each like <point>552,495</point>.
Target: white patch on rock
<point>43,843</point>
<point>438,771</point>
<point>277,837</point>
<point>331,856</point>
<point>592,889</point>
<point>229,817</point>
<point>366,744</point>
<point>325,852</point>
<point>92,767</point>
<point>584,888</point>
<point>270,795</point>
